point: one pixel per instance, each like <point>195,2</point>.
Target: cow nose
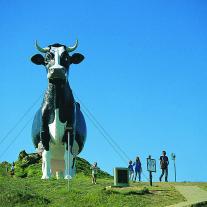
<point>56,72</point>
<point>53,70</point>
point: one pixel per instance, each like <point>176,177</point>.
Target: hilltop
<point>27,189</point>
<point>28,165</point>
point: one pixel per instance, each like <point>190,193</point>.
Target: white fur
<point>57,128</point>
<point>57,51</point>
<point>55,161</point>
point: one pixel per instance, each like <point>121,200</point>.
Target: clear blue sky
<point>144,76</point>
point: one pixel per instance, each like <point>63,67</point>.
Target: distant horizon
<point>154,181</point>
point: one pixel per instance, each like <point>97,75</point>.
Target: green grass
<point>27,189</point>
<point>37,192</point>
<point>202,185</point>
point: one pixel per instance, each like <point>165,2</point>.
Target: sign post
<point>68,156</point>
<point>150,177</point>
<point>173,158</point>
<point>68,160</point>
<point>151,167</point>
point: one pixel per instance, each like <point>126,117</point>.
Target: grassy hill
<point>27,189</point>
<point>29,166</point>
<point>35,192</point>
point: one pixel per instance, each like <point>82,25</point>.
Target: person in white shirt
<point>94,169</point>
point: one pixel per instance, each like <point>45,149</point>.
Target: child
<point>131,170</point>
<point>94,169</point>
<point>138,168</point>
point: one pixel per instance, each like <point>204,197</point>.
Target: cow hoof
<point>45,177</point>
<point>67,177</point>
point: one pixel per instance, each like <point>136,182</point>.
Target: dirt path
<point>193,194</point>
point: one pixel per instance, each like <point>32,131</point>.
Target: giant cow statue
<point>59,115</point>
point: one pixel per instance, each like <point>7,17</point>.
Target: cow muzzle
<point>56,73</point>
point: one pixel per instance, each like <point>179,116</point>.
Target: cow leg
<point>43,167</point>
<point>73,170</point>
<point>46,160</point>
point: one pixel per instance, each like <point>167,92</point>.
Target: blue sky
<point>144,76</point>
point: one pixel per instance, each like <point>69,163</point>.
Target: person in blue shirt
<point>138,169</point>
<point>131,170</point>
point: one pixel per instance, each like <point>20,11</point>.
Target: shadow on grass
<point>15,198</point>
<point>127,192</point>
<point>201,204</point>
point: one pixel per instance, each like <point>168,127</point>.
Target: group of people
<point>135,168</point>
<point>137,165</point>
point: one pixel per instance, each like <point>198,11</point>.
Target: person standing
<point>138,169</point>
<point>94,169</point>
<point>164,162</point>
<point>131,170</point>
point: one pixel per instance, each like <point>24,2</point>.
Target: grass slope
<point>27,189</point>
<point>36,192</point>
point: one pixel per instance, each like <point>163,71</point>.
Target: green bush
<point>19,172</point>
<point>34,170</point>
<point>5,169</point>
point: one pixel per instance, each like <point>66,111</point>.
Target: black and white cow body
<point>59,114</point>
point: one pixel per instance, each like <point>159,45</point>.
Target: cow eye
<point>48,57</point>
<point>64,59</point>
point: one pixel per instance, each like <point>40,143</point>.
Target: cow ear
<point>76,58</point>
<point>38,59</point>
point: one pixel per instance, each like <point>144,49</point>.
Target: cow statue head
<point>57,60</point>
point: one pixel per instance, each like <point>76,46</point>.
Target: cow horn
<point>43,50</point>
<point>71,49</point>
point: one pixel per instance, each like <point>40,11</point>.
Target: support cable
<point>20,120</point>
<point>106,138</point>
<point>120,152</point>
<point>15,138</point>
<point>104,130</point>
<point>106,135</point>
